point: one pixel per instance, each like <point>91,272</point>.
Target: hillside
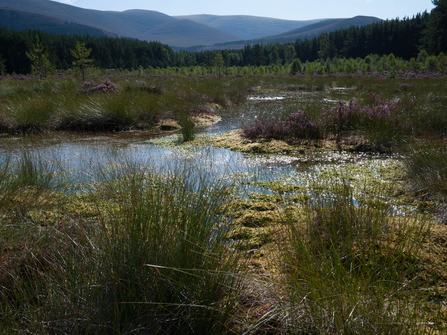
<point>309,31</point>
<point>19,20</point>
<point>246,26</point>
<point>168,33</point>
<point>318,28</point>
<point>130,23</point>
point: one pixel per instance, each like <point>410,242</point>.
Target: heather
<point>294,126</point>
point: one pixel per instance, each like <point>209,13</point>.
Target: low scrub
<point>295,126</point>
<point>91,87</point>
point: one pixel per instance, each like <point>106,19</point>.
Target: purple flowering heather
<point>352,116</point>
<point>295,126</point>
<point>105,87</point>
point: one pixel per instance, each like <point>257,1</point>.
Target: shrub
<point>91,87</point>
<point>378,121</point>
<point>294,126</point>
<point>431,64</point>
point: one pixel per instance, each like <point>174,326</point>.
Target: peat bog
<point>246,204</point>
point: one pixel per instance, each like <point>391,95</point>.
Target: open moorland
<point>249,204</point>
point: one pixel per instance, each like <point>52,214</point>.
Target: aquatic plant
<point>188,129</point>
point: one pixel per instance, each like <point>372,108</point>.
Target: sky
<point>281,9</point>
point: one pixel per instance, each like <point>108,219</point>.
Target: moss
<point>279,186</point>
<point>273,198</point>
<point>246,238</point>
<point>235,140</point>
<point>254,218</point>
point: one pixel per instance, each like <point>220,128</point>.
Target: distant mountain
<point>248,27</point>
<point>210,31</point>
<point>329,25</point>
<point>308,31</point>
<point>141,24</point>
<point>192,33</point>
<point>19,20</point>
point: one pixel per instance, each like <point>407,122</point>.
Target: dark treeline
<point>107,52</point>
<point>404,38</point>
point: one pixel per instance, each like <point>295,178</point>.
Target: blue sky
<point>281,9</point>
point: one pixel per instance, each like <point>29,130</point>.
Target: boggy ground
<point>303,268</point>
<point>235,140</point>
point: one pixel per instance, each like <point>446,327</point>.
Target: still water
<point>76,155</point>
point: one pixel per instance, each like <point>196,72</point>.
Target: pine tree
<point>41,65</point>
<point>436,32</point>
<point>219,62</point>
<point>2,66</point>
<point>82,62</point>
<point>296,66</point>
<point>290,54</point>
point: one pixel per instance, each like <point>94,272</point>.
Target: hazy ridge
<point>194,32</point>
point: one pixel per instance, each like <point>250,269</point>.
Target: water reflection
<point>78,154</point>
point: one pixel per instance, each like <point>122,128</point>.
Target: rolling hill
<point>318,28</point>
<point>248,27</point>
<point>308,31</point>
<point>209,31</point>
<point>19,20</point>
<point>140,24</point>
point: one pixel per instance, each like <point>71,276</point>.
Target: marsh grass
<point>155,261</point>
<point>31,114</point>
<point>151,255</point>
<point>30,180</point>
<point>188,129</point>
<point>116,104</point>
<point>426,167</point>
<point>352,269</point>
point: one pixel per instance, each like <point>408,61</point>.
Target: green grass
<point>57,104</point>
<point>426,166</point>
<point>147,250</point>
<point>352,268</point>
<point>153,260</point>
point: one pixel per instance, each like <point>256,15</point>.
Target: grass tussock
<point>108,104</point>
<point>353,269</point>
<point>154,260</point>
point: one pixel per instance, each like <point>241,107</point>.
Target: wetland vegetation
<point>255,204</point>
